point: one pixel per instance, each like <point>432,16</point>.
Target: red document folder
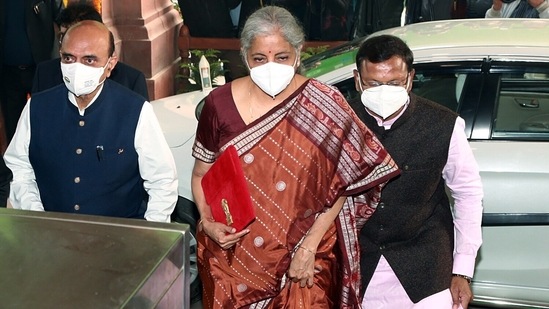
<point>226,191</point>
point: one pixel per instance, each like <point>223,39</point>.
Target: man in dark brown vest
<point>408,255</point>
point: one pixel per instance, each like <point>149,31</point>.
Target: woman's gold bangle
<point>307,249</point>
<point>202,221</point>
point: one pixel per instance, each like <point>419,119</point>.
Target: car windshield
<point>330,60</point>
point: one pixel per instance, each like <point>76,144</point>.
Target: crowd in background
<point>341,20</point>
<point>328,20</point>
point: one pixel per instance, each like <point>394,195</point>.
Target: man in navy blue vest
<point>408,255</point>
<point>48,73</point>
<point>91,146</point>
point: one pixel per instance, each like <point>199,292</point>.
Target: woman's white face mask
<point>384,100</point>
<point>272,77</point>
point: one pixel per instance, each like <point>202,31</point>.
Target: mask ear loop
<point>296,57</point>
<point>104,68</point>
<point>360,82</point>
<point>246,62</point>
<point>106,64</point>
<point>407,82</point>
<point>408,90</point>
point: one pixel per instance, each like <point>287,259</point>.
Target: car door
<point>510,140</point>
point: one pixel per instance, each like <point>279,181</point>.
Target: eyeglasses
<point>374,83</point>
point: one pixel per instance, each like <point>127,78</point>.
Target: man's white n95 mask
<point>81,79</point>
<point>384,100</point>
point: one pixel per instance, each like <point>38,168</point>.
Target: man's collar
<point>72,99</point>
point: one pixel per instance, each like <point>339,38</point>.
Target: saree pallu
<point>298,159</point>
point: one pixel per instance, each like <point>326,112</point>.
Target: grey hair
<point>267,21</point>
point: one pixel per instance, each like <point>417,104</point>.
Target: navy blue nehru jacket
<point>87,164</point>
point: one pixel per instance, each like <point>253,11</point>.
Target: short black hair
<point>382,48</point>
<point>76,12</point>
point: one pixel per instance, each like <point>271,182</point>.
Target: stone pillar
<point>146,32</point>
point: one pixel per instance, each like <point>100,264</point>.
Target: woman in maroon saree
<point>303,152</point>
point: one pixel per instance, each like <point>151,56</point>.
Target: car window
<point>347,88</point>
<point>442,88</point>
<point>522,108</point>
<point>446,83</point>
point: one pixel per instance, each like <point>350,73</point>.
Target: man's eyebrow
<point>92,57</point>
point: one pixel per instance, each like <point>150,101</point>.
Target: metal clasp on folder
<point>226,210</point>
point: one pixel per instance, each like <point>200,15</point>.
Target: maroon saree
<point>297,159</point>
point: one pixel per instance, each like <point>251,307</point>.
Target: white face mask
<point>384,100</point>
<point>272,77</point>
<point>81,79</point>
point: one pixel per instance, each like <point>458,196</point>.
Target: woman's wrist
<point>202,220</point>
<point>313,252</point>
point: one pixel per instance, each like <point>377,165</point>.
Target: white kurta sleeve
<point>24,193</point>
<point>156,166</point>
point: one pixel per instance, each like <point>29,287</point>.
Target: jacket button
<point>77,180</point>
<point>381,227</point>
<point>81,123</point>
<point>381,205</point>
<point>382,247</point>
<point>77,207</point>
<point>79,151</point>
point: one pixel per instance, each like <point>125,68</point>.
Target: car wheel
<point>186,212</point>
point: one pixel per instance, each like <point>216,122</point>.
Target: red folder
<point>226,191</point>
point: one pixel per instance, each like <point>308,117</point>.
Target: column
<point>146,32</point>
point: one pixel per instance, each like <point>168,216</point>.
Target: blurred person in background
<point>477,8</point>
<point>212,19</point>
<point>27,36</point>
<point>518,9</point>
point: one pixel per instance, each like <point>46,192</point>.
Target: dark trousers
<point>15,88</point>
<point>5,177</point>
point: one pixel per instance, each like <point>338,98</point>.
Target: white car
<point>495,73</point>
